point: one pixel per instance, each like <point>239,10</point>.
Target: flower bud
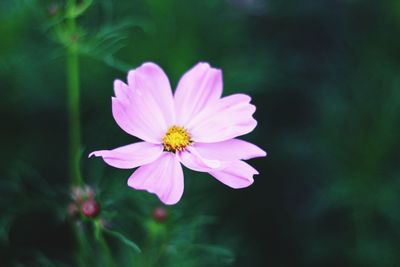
<point>89,192</point>
<point>74,37</point>
<point>72,209</point>
<point>160,214</point>
<point>52,10</point>
<point>76,194</point>
<point>90,208</point>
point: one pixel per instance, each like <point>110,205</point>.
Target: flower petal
<point>153,85</point>
<point>138,120</point>
<point>130,156</point>
<point>198,87</point>
<point>235,174</point>
<point>194,161</point>
<point>233,149</point>
<point>145,108</point>
<point>225,119</point>
<point>238,174</point>
<point>163,177</point>
<point>121,89</point>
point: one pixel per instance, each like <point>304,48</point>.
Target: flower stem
<point>74,130</point>
<point>106,251</point>
<point>73,101</point>
<point>74,136</point>
<point>81,257</point>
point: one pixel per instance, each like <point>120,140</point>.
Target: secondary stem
<point>73,102</point>
<point>74,128</point>
<point>107,252</point>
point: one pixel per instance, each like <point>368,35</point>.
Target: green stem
<point>74,136</point>
<point>106,251</point>
<point>81,257</point>
<point>73,101</point>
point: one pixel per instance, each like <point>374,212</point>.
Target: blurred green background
<point>324,75</point>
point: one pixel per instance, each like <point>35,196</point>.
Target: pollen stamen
<point>176,139</point>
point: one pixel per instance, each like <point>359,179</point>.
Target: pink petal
<point>198,87</point>
<point>145,108</point>
<point>238,174</point>
<point>130,156</point>
<point>233,149</point>
<point>121,89</point>
<point>150,80</point>
<point>138,120</point>
<point>225,119</point>
<point>163,177</point>
<point>194,161</point>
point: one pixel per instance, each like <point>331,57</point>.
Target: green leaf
<point>220,253</point>
<point>97,230</point>
<point>123,239</point>
<point>76,11</point>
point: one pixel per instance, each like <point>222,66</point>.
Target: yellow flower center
<point>176,139</point>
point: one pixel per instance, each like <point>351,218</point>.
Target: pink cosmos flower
<point>195,127</point>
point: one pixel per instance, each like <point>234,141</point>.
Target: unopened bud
<point>160,214</point>
<point>52,10</point>
<point>72,210</point>
<point>76,194</point>
<point>90,208</point>
<point>89,192</point>
<point>74,37</point>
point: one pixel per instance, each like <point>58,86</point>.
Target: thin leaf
<point>221,253</point>
<point>123,239</point>
<point>76,11</point>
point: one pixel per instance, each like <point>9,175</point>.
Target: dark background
<point>324,76</point>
